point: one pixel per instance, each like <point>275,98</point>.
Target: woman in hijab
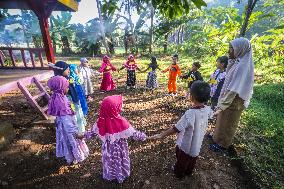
<point>235,94</point>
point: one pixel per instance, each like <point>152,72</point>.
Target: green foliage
<point>261,139</point>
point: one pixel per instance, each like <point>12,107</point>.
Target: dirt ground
<point>30,161</point>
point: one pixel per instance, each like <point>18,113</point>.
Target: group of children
<point>71,87</point>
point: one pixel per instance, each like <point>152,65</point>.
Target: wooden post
<point>32,58</point>
<point>43,22</point>
<point>40,58</point>
<point>12,57</point>
<point>1,59</point>
<point>24,57</point>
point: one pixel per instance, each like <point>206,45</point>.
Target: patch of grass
<point>262,136</point>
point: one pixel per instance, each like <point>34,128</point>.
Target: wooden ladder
<point>33,99</point>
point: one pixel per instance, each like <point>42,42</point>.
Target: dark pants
<point>131,78</point>
<point>184,165</point>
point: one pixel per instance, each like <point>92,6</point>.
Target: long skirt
<point>82,98</point>
<point>115,159</point>
<point>107,83</point>
<point>88,86</point>
<point>131,78</point>
<point>227,122</point>
<point>184,165</point>
<point>67,145</point>
<point>151,81</point>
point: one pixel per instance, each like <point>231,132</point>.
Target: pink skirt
<point>107,82</point>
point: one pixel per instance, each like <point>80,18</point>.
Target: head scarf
<point>240,71</point>
<point>83,60</point>
<point>58,103</point>
<point>73,74</point>
<point>60,64</point>
<point>72,90</point>
<point>130,59</point>
<point>111,125</point>
<point>153,64</point>
<point>106,63</point>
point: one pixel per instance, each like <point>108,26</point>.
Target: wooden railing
<point>32,58</point>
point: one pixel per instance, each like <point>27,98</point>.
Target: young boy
<point>191,129</point>
<point>217,80</point>
<point>174,71</point>
<point>193,74</point>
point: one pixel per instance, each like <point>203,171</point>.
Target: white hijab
<point>240,71</point>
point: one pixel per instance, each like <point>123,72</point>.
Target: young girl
<point>67,146</point>
<point>74,78</point>
<point>217,80</point>
<point>86,72</point>
<point>107,83</point>
<point>151,81</point>
<point>72,95</point>
<point>114,130</point>
<point>174,71</point>
<point>131,66</point>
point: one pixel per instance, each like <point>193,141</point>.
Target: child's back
<point>192,127</point>
<point>114,130</point>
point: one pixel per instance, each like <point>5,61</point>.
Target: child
<point>62,69</point>
<point>217,80</point>
<point>191,129</point>
<point>75,79</point>
<point>193,74</point>
<point>151,81</point>
<point>86,72</point>
<point>174,71</point>
<point>131,66</point>
<point>114,130</point>
<point>67,146</point>
<point>107,83</point>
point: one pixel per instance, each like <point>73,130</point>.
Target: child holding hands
<point>114,131</point>
<point>191,129</point>
<point>67,145</point>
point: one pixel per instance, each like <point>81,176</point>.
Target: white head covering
<point>83,60</point>
<point>240,71</point>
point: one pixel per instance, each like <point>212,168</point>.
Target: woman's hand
<point>217,112</point>
<point>80,136</point>
<point>155,137</point>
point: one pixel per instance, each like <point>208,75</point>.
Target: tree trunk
<point>151,29</point>
<point>178,38</point>
<point>181,34</point>
<point>24,30</point>
<point>102,26</point>
<point>166,43</point>
<point>249,9</point>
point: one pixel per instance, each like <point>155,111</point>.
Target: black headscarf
<point>60,64</point>
<point>153,64</point>
<point>72,91</point>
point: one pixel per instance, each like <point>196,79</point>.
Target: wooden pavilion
<point>19,75</point>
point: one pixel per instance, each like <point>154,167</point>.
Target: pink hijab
<point>105,63</point>
<point>111,125</point>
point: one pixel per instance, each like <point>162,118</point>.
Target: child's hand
<point>80,136</point>
<point>217,112</point>
<point>155,137</point>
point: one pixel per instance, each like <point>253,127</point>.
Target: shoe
<point>209,136</point>
<point>217,148</point>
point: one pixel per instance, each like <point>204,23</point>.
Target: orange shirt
<point>174,71</point>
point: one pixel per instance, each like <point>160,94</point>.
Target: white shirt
<point>192,127</point>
